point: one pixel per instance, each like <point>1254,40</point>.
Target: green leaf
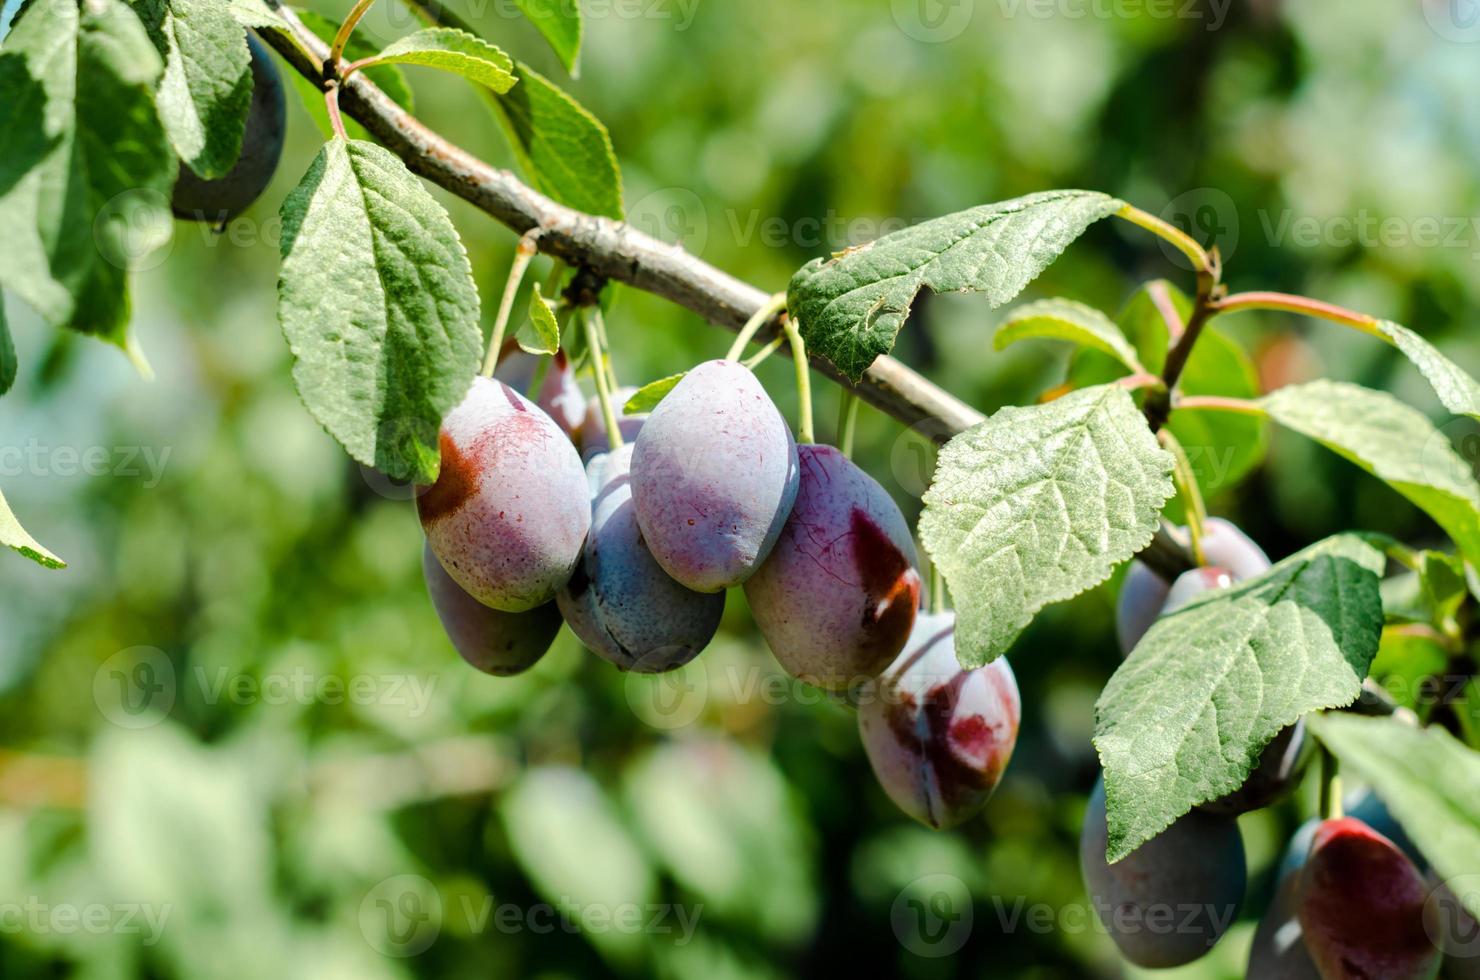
<point>540,334</point>
<point>206,89</point>
<point>1064,319</point>
<point>1035,505</point>
<point>562,148</point>
<point>86,161</point>
<point>851,307</point>
<point>8,363</point>
<point>646,398</point>
<point>254,13</point>
<point>1458,392</point>
<point>560,22</point>
<point>452,50</point>
<point>1429,781</point>
<point>377,300</point>
<point>390,79</point>
<point>12,535</point>
<point>1392,441</point>
<point>1185,717</point>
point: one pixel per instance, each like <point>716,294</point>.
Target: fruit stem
<point>1186,480</point>
<point>937,590</point>
<point>591,317</point>
<point>1288,303</point>
<point>762,316</point>
<point>847,420</point>
<point>755,359</point>
<point>336,50</point>
<point>1330,786</point>
<point>804,381</point>
<point>331,105</point>
<point>524,253</point>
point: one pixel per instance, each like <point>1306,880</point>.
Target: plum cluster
<point>634,548</point>
<point>1351,900</point>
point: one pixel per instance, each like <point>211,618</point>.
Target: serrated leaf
<point>1035,505</point>
<point>12,535</point>
<point>540,334</point>
<point>1185,717</point>
<point>851,307</point>
<point>86,161</point>
<point>390,79</point>
<point>253,13</point>
<point>562,148</point>
<point>560,23</point>
<point>646,398</point>
<point>206,89</point>
<point>1393,442</point>
<point>1065,319</point>
<point>1429,781</point>
<point>8,363</point>
<point>377,301</point>
<point>1457,390</point>
<point>451,50</point>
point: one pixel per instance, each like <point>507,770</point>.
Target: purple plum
<point>714,475</point>
<point>509,512</point>
<point>939,736</point>
<point>837,598</point>
<point>498,643</point>
<point>559,395</point>
<point>620,602</point>
<point>1278,951</point>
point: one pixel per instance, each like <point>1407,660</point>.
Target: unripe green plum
<point>509,513</point>
<point>498,643</point>
<point>1278,951</point>
<point>939,736</point>
<point>223,198</point>
<point>714,475</point>
<point>559,395</point>
<point>620,602</point>
<point>837,598</point>
<point>1361,905</point>
<point>1170,900</point>
<point>593,425</point>
<point>1144,593</point>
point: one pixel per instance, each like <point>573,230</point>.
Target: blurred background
<point>234,741</point>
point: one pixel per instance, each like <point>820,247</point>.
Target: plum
<point>836,599</point>
<point>593,426</point>
<point>498,643</point>
<point>1278,951</point>
<point>509,512</point>
<point>1361,905</point>
<point>939,736</point>
<point>1143,593</point>
<point>559,395</point>
<point>1171,899</point>
<point>1364,805</point>
<point>620,602</point>
<point>714,475</point>
<point>223,198</point>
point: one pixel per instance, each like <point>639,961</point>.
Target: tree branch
<point>611,249</point>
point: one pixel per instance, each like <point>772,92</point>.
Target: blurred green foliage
<point>333,791</point>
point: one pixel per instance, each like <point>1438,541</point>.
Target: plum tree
<point>559,395</point>
<point>1278,951</point>
<point>938,736</point>
<point>714,476</point>
<point>1170,900</point>
<point>620,602</point>
<point>498,643</point>
<point>836,599</point>
<point>1361,905</point>
<point>224,197</point>
<point>510,510</point>
<point>1143,593</point>
<point>593,426</point>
